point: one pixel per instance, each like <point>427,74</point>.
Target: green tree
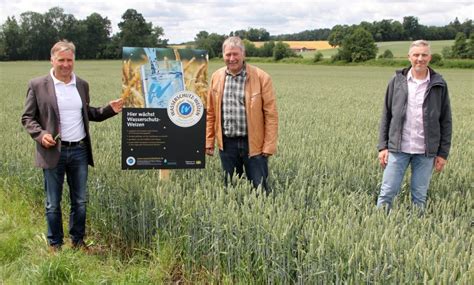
<point>239,33</point>
<point>456,24</point>
<point>436,59</point>
<point>59,25</point>
<point>201,35</point>
<point>282,50</point>
<point>56,19</point>
<point>467,27</point>
<point>359,46</point>
<point>252,34</point>
<point>267,49</point>
<point>411,27</point>
<point>387,30</point>
<point>3,54</point>
<point>67,27</point>
<point>460,48</point>
<point>447,52</point>
<point>75,31</point>
<point>250,48</point>
<point>470,46</point>
<point>338,33</point>
<point>11,39</point>
<point>136,31</point>
<point>113,49</point>
<point>201,41</point>
<point>210,42</point>
<point>98,33</point>
<point>318,56</point>
<point>258,35</point>
<point>216,42</point>
<point>372,28</point>
<point>387,54</point>
<point>39,35</point>
<point>306,35</point>
<point>397,31</point>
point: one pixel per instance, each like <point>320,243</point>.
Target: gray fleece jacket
<point>437,122</point>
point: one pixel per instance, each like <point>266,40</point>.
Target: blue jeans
<point>235,157</point>
<point>72,162</point>
<point>421,170</point>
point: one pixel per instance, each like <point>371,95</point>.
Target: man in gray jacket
<point>57,115</point>
<point>415,127</point>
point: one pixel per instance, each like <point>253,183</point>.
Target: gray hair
<point>233,42</point>
<point>420,43</point>
<point>61,46</point>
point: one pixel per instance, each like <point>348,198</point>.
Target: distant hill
<point>309,48</point>
<point>399,48</point>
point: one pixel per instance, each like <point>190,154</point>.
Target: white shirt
<point>70,110</point>
<point>413,135</point>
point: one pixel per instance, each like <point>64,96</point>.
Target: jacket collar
<point>435,78</point>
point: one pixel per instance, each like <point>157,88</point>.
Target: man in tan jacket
<point>242,116</point>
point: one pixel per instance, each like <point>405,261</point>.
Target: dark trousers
<point>235,157</point>
<point>72,163</point>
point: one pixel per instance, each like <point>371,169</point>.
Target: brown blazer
<point>41,116</point>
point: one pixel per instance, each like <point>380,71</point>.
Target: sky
<point>183,19</point>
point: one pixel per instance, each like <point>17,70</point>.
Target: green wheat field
<point>318,226</point>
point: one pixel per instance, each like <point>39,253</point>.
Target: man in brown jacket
<point>57,115</point>
<point>242,116</point>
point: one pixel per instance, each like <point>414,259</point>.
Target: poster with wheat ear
<point>163,122</point>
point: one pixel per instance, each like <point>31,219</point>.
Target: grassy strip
<point>25,259</point>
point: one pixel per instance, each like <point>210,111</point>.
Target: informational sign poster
<point>164,116</point>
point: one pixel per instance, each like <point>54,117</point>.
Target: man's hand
<point>117,105</point>
<point>47,141</point>
<point>440,163</point>
<point>210,151</point>
<point>383,157</point>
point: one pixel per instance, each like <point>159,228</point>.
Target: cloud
<point>183,19</point>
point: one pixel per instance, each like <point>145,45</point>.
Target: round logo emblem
<point>185,109</point>
<point>130,161</point>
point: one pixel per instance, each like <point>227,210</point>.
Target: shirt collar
<point>419,81</point>
<point>57,81</point>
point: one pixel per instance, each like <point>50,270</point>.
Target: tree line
<point>359,45</point>
<point>382,31</point>
<point>31,36</point>
<point>356,42</point>
<point>410,29</point>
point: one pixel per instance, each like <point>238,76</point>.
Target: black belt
<point>235,138</point>
<point>66,143</point>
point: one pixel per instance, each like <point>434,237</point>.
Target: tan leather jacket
<point>260,107</point>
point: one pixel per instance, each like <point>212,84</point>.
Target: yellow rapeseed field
<point>309,45</point>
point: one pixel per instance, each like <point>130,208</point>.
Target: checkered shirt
<point>233,105</point>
